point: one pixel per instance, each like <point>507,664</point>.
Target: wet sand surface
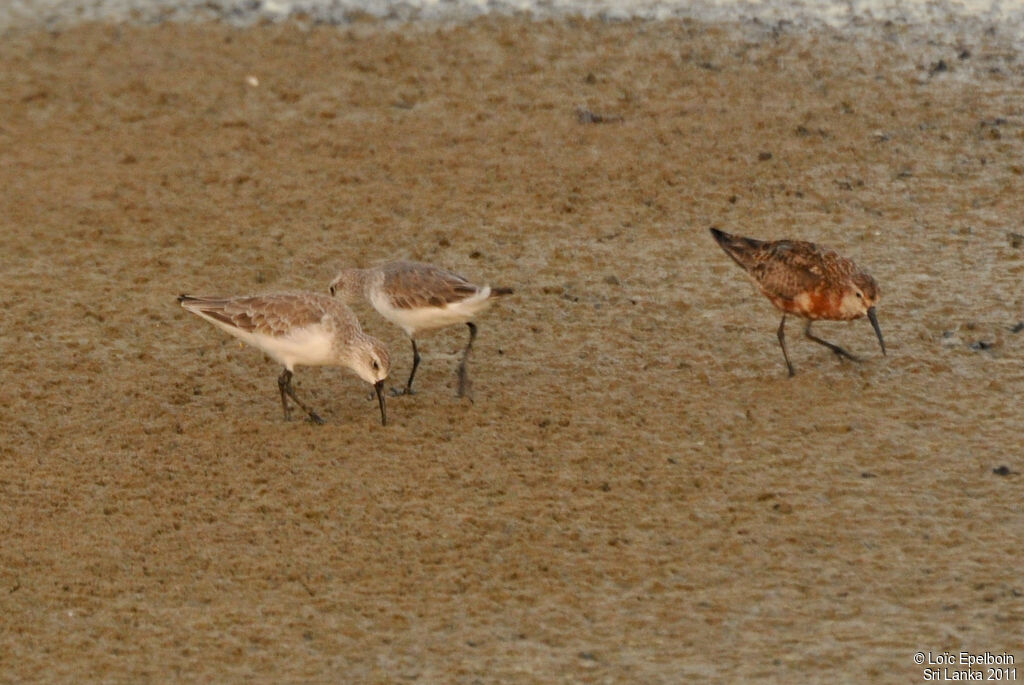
<point>637,492</point>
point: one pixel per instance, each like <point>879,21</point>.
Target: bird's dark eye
<point>860,295</point>
<point>332,290</point>
<point>376,366</point>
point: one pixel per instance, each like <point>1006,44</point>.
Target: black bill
<point>379,387</point>
<point>874,324</point>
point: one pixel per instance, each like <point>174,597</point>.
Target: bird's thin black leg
<point>463,375</point>
<point>284,382</point>
<point>840,352</point>
<point>407,390</point>
<point>782,342</point>
<point>415,365</point>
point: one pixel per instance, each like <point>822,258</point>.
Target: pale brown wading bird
<point>299,329</point>
<point>807,280</point>
<point>419,298</point>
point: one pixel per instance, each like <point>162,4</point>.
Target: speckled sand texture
<point>637,493</point>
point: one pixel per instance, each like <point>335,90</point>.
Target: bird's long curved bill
<point>379,387</point>
<point>874,324</point>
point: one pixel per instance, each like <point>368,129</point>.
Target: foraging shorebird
<point>299,329</point>
<point>419,298</point>
<point>807,280</point>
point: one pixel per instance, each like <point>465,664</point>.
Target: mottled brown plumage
<point>410,285</point>
<point>273,315</point>
<point>299,328</point>
<point>419,297</point>
<point>808,280</point>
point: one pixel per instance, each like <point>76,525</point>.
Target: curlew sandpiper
<point>807,280</point>
<point>299,329</point>
<point>419,298</point>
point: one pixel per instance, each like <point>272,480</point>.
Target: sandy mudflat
<point>638,493</point>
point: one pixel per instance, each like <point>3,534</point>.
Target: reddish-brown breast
<point>798,277</point>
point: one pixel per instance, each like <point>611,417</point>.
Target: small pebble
<point>585,116</point>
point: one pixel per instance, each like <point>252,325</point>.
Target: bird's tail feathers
<point>739,248</point>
